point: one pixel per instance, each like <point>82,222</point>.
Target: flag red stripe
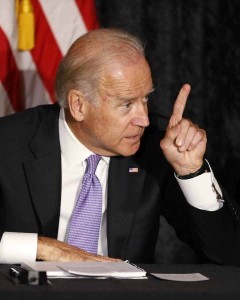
<point>89,13</point>
<point>9,73</point>
<point>46,53</point>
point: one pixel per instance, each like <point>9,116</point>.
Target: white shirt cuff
<point>16,247</point>
<point>200,193</point>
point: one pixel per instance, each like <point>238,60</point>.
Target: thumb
<point>170,137</point>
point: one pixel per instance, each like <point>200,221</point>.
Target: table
<point>224,283</point>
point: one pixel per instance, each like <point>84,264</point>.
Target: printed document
<point>122,269</point>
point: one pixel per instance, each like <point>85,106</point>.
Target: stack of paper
<point>120,269</point>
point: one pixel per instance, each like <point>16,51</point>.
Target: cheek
<point>105,120</point>
<point>110,128</point>
<point>109,124</point>
<point>102,126</point>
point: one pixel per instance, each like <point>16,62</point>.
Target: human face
<point>115,122</point>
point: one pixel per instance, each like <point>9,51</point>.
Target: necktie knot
<point>92,163</point>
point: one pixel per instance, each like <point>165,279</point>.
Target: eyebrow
<point>151,91</point>
<point>131,99</point>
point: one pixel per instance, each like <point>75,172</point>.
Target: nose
<point>141,117</point>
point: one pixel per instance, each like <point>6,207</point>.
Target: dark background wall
<point>194,41</point>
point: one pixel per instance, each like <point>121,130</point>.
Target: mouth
<point>133,138</point>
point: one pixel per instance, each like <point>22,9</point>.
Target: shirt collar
<point>73,151</point>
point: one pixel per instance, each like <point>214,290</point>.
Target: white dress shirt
<point>73,156</point>
<point>200,191</point>
<point>16,247</point>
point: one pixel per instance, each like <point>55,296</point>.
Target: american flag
<point>27,77</point>
<point>133,170</point>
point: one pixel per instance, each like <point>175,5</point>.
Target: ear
<point>75,102</point>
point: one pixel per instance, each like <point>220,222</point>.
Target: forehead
<point>131,80</point>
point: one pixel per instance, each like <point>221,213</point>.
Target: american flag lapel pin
<point>133,170</point>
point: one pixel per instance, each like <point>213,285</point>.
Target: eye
<point>128,105</point>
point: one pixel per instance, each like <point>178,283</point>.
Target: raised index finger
<point>179,105</point>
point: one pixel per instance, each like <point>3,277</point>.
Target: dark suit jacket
<point>30,188</point>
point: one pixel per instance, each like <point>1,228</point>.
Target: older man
<point>102,88</point>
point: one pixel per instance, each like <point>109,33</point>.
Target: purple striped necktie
<point>86,218</point>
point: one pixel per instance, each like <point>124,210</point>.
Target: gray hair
<point>84,62</point>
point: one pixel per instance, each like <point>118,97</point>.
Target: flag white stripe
<point>5,104</point>
<point>8,22</point>
<point>35,92</point>
<point>65,21</point>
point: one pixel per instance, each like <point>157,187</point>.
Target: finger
<point>199,137</point>
<point>106,258</point>
<point>86,256</point>
<point>170,137</point>
<point>179,105</point>
<point>186,134</point>
<point>181,101</point>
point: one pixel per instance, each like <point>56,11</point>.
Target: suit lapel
<point>43,174</point>
<point>124,191</point>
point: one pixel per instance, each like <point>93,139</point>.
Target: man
<point>102,87</point>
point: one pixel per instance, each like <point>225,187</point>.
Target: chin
<point>131,151</point>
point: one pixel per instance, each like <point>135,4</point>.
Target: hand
<point>53,250</point>
<point>184,143</point>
